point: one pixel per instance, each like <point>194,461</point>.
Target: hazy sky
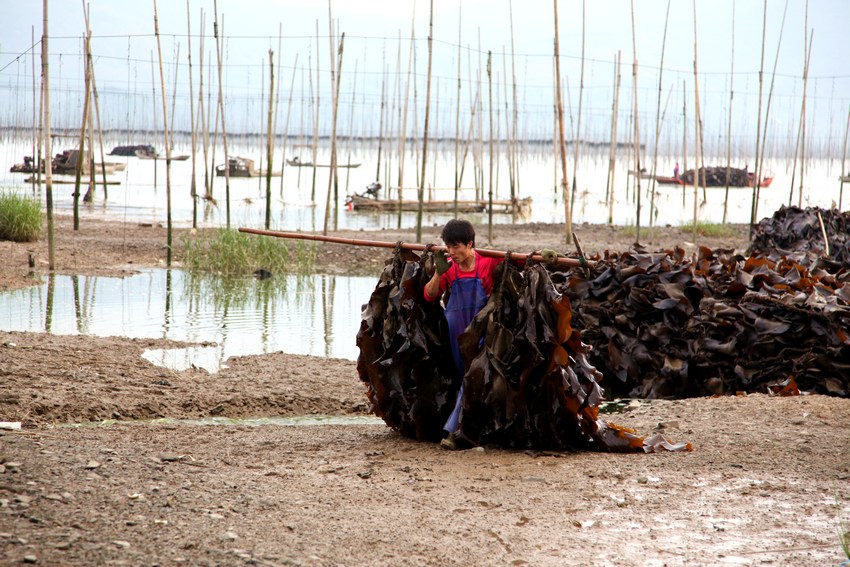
<point>123,45</point>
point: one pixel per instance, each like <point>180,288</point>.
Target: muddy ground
<point>766,484</point>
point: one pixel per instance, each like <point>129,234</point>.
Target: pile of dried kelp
<point>716,177</point>
<point>666,326</point>
<point>792,229</point>
<point>528,383</point>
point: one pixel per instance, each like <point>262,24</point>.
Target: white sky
<point>123,45</point>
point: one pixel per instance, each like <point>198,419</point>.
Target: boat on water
<point>242,167</point>
<point>361,203</point>
<point>148,154</point>
<point>130,151</point>
<point>66,164</point>
<point>295,162</point>
<point>844,178</point>
<point>716,177</point>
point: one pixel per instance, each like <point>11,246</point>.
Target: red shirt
<point>484,267</point>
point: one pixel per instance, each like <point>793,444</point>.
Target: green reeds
<point>230,252</point>
<point>713,230</point>
<point>20,218</point>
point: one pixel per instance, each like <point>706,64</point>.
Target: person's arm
<point>432,288</point>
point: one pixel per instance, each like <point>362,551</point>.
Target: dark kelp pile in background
<point>528,383</point>
<point>666,326</point>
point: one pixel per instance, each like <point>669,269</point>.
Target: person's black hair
<point>458,231</point>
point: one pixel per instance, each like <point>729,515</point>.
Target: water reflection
<point>315,315</point>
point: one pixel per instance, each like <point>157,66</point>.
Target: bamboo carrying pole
<point>562,260</point>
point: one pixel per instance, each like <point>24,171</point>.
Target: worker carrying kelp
<point>468,278</point>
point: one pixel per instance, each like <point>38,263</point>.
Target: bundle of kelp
<point>792,229</point>
<point>528,383</point>
<point>716,177</point>
<point>665,326</point>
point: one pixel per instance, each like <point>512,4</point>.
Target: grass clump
<point>20,218</point>
<point>645,231</point>
<point>235,253</point>
<point>714,230</point>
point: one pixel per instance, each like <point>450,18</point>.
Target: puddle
<point>293,421</point>
<point>317,315</point>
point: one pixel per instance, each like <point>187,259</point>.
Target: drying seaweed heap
<point>792,229</point>
<point>665,326</point>
<point>528,382</point>
<point>716,177</point>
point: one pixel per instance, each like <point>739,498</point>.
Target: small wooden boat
<point>242,167</point>
<point>145,154</point>
<point>83,182</point>
<point>360,203</point>
<point>716,177</point>
<point>844,178</point>
<point>66,164</point>
<point>131,151</point>
<point>295,162</point>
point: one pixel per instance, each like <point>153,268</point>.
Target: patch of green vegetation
<point>230,252</point>
<point>20,218</point>
<point>709,229</point>
<point>645,231</point>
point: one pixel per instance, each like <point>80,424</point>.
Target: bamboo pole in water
<point>803,122</point>
<point>165,138</point>
<point>316,117</point>
<point>698,133</point>
<point>684,135</point>
<point>270,141</point>
<point>457,109</point>
<point>425,127</point>
<point>754,206</point>
<point>89,62</point>
<point>844,172</point>
<point>81,152</point>
<point>562,260</point>
<point>286,124</point>
<point>36,161</point>
<point>512,132</point>
<point>612,156</point>
<point>562,143</point>
<point>578,137</point>
<point>48,151</point>
<point>636,127</point>
<point>155,116</point>
<point>757,173</point>
<point>334,157</point>
<point>490,128</point>
<point>192,184</point>
<point>729,129</point>
<point>335,107</point>
<point>652,211</point>
<point>381,125</point>
<point>221,105</point>
<point>403,125</point>
<point>174,95</point>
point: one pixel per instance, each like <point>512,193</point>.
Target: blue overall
<point>467,298</point>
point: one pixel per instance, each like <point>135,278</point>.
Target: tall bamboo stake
<point>335,108</point>
<point>457,109</point>
<point>269,140</point>
<point>844,172</point>
<point>578,137</point>
<point>403,125</point>
<point>316,118</point>
<point>757,174</point>
<point>564,188</point>
<point>96,103</point>
<point>425,128</point>
<point>636,127</point>
<point>698,127</point>
<point>218,48</point>
<point>490,128</point>
<point>754,207</point>
<point>36,161</point>
<point>192,183</point>
<point>81,152</point>
<point>512,133</point>
<point>729,129</point>
<point>684,135</point>
<point>286,124</point>
<point>652,211</point>
<point>803,120</point>
<point>381,126</point>
<point>612,157</point>
<point>48,146</point>
<point>165,138</point>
